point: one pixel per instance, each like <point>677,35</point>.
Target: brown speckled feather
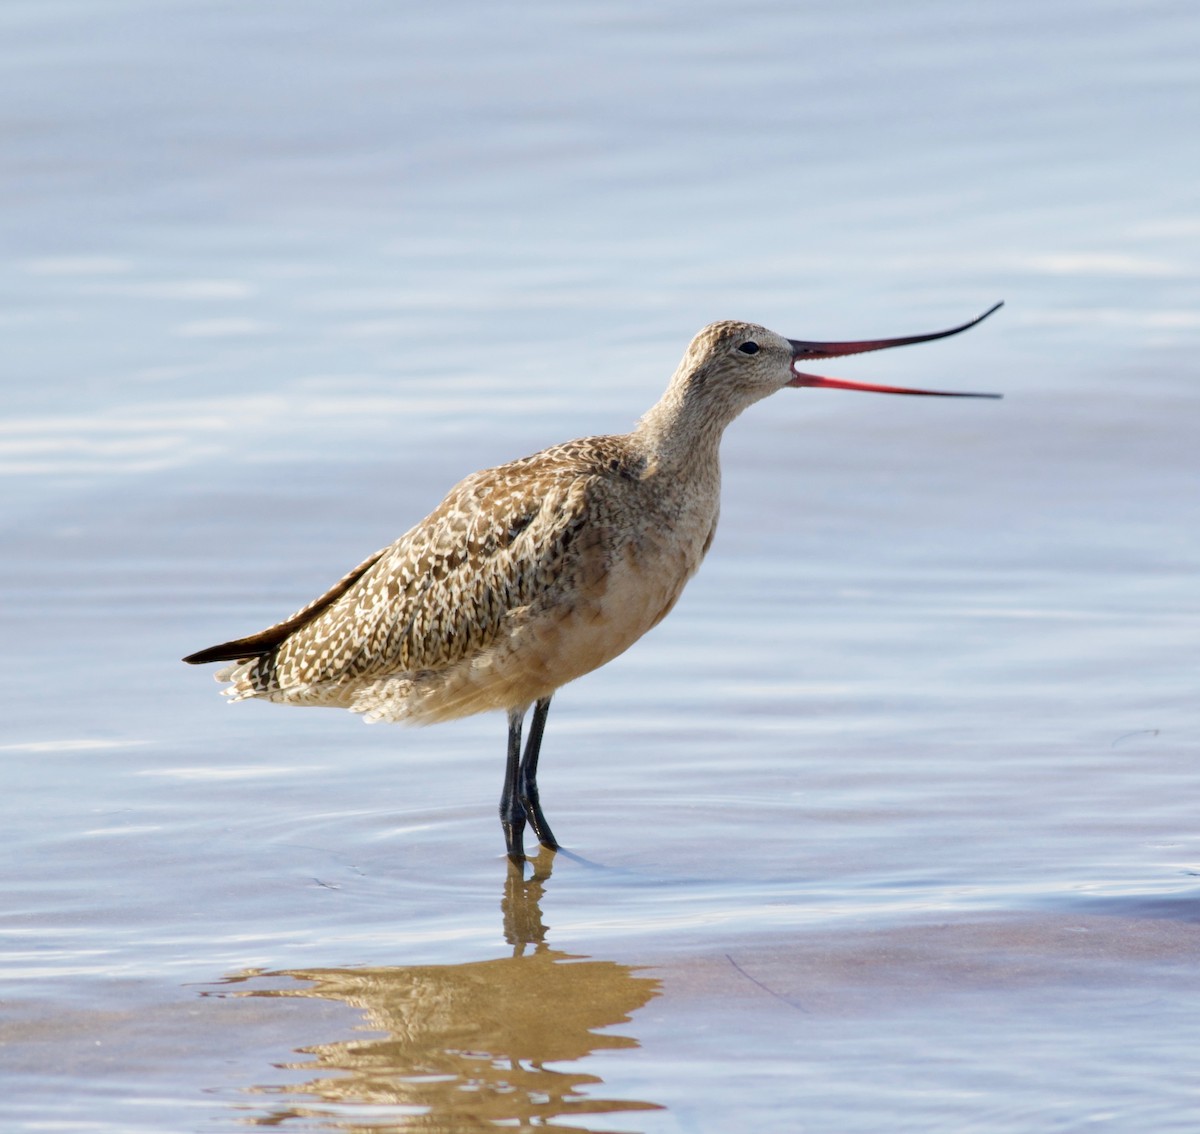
<point>527,575</point>
<point>468,610</point>
<point>534,573</point>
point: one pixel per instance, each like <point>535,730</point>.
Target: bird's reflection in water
<point>467,1046</point>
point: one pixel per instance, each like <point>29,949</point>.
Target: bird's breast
<point>625,583</point>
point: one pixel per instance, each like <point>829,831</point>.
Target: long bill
<point>803,349</point>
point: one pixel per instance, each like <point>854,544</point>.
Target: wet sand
<point>932,1023</point>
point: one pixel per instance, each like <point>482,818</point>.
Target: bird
<point>538,571</point>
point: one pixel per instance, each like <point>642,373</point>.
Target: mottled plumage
<point>530,574</point>
<point>525,577</point>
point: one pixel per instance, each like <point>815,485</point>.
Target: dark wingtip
<point>227,651</point>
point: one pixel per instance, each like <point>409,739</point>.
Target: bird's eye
<point>749,348</point>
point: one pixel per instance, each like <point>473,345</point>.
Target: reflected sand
<point>466,1047</point>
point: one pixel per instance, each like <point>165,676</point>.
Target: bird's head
<point>731,364</point>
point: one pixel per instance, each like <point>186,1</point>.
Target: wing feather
<point>255,645</point>
<point>444,591</point>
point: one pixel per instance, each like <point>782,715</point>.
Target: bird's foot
<point>514,839</point>
<point>537,820</point>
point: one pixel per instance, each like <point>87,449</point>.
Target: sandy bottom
<point>1030,1020</point>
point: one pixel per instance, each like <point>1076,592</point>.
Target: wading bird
<point>534,573</point>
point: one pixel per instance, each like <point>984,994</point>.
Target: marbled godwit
<point>534,573</point>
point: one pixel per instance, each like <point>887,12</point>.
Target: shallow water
<point>889,825</point>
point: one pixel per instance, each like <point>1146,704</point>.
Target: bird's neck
<point>683,430</point>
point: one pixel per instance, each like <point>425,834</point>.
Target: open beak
<point>802,350</point>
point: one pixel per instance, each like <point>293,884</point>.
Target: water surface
<point>890,825</point>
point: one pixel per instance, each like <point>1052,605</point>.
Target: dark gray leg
<point>512,810</point>
<point>527,787</point>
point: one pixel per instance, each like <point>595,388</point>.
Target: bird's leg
<point>512,810</point>
<point>527,779</point>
